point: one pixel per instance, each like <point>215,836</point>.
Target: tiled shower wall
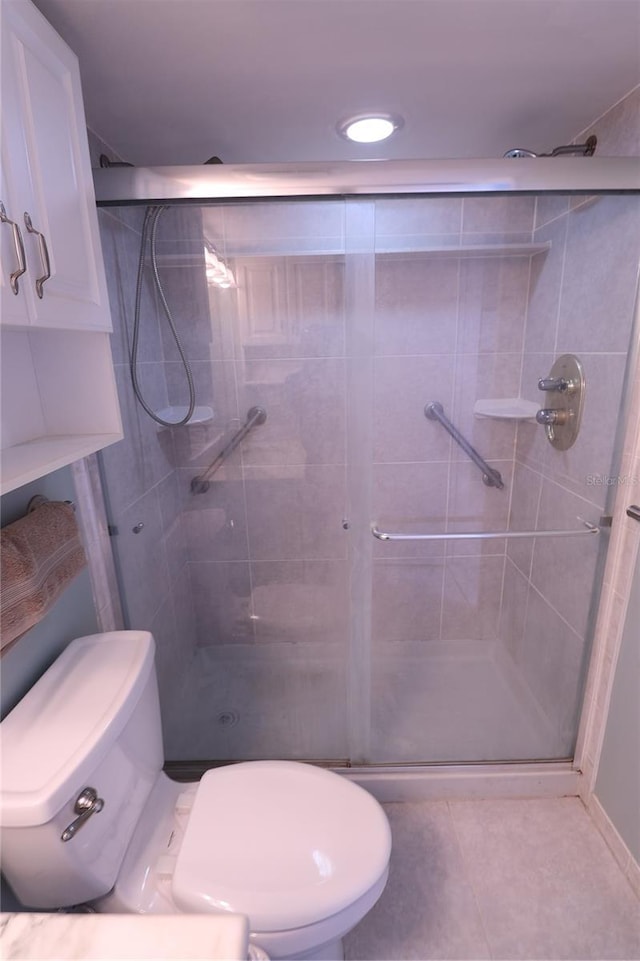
<point>448,329</point>
<point>266,547</point>
<point>581,303</point>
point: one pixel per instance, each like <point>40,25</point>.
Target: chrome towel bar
<point>490,535</point>
<point>490,476</point>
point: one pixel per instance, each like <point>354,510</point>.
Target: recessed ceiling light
<point>369,128</point>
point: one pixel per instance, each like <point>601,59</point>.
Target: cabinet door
<point>15,287</point>
<point>57,187</point>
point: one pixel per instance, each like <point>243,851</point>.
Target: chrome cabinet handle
<point>87,803</point>
<point>44,255</point>
<point>19,248</point>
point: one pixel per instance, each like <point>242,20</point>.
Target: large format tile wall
<point>581,302</point>
<point>266,545</point>
<point>327,341</point>
<point>447,329</point>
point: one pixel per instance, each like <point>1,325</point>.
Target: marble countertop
<point>108,937</point>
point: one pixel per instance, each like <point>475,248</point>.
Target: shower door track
<point>436,780</point>
<point>371,178</point>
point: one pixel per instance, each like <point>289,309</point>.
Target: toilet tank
<point>91,721</point>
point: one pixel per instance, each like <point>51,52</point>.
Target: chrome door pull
<point>44,255</point>
<point>87,803</point>
<point>19,248</point>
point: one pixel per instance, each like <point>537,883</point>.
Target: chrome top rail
<point>490,476</point>
<point>255,416</point>
<point>208,182</point>
<point>588,528</point>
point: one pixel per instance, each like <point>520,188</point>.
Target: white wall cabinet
<point>59,400</point>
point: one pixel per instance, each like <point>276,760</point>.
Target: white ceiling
<point>177,81</point>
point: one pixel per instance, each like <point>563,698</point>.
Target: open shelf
<point>26,462</point>
<point>59,401</point>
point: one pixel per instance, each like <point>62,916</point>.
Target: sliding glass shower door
<point>285,628</point>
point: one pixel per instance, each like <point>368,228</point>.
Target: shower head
<point>586,149</point>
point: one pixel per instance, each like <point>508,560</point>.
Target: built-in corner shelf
<point>176,413</point>
<point>507,408</point>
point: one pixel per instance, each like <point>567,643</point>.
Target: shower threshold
<point>478,731</point>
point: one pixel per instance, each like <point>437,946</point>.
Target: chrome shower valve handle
<point>549,416</point>
<point>556,383</point>
<point>565,387</point>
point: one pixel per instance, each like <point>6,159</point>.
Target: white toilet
<point>301,851</point>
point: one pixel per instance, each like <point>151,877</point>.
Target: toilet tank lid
<point>65,724</point>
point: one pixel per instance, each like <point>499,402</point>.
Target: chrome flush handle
<point>44,256</point>
<point>87,803</point>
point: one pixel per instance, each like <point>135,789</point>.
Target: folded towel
<point>40,554</point>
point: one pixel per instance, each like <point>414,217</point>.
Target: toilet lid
<point>285,843</point>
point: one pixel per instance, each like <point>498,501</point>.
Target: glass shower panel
<point>284,628</point>
<point>246,585</point>
<point>479,646</point>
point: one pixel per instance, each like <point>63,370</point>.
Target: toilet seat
<point>232,856</point>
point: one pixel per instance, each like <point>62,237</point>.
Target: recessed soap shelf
<point>507,408</point>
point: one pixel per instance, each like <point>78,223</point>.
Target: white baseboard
<point>628,864</point>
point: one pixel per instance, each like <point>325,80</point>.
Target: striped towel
<point>40,554</point>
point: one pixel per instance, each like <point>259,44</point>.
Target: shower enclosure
<point>299,609</point>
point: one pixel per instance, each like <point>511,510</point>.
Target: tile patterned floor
<point>515,879</point>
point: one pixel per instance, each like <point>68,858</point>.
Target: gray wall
<point>72,615</point>
<point>618,781</point>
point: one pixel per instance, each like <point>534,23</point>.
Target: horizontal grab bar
<point>486,535</point>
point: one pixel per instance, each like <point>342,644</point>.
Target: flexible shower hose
<point>151,218</point>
